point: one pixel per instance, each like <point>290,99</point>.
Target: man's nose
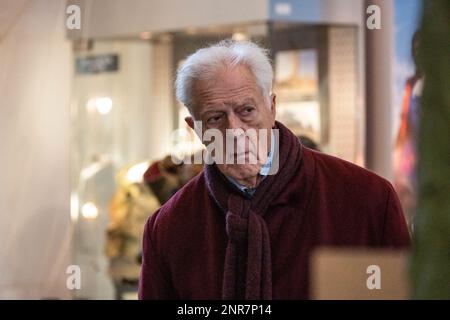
<point>235,124</point>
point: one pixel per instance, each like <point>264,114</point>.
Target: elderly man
<point>246,230</point>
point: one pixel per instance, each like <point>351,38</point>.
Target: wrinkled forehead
<point>228,86</point>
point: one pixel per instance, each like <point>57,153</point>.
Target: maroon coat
<point>329,202</point>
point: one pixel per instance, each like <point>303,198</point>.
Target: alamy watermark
<point>73,281</point>
<point>234,147</point>
<point>73,20</point>
<point>374,20</point>
<point>374,280</point>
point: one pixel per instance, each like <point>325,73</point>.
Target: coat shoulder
<point>346,174</point>
<point>184,203</point>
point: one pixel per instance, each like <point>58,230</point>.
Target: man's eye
<point>247,110</point>
<point>214,120</point>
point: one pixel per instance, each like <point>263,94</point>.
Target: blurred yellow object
<point>132,204</point>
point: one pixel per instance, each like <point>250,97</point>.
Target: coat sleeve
<point>154,281</point>
<point>395,230</point>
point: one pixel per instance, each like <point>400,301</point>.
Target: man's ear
<point>190,122</point>
<point>273,106</point>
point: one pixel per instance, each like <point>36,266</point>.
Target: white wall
<point>112,18</point>
<point>136,129</point>
<point>35,73</point>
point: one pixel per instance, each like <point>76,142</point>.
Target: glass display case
<point>124,117</point>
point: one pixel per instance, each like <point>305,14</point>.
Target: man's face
<point>232,100</point>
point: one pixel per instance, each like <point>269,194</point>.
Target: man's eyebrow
<point>209,111</point>
<point>246,101</point>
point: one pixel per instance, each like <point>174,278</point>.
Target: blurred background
<point>89,117</point>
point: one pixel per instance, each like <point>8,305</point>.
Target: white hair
<point>205,62</point>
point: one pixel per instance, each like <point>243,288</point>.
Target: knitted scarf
<point>248,265</point>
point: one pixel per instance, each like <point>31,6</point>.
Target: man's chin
<point>240,171</point>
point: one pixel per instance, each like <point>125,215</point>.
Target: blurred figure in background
<point>130,208</point>
<point>405,155</point>
<point>165,177</point>
<point>308,142</point>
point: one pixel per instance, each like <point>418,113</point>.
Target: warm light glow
<point>103,105</point>
<point>239,36</point>
<point>89,211</point>
<point>99,162</point>
<point>91,170</point>
<point>145,35</point>
<point>136,172</point>
<point>191,30</point>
